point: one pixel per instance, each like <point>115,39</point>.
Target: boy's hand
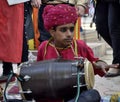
<point>104,66</point>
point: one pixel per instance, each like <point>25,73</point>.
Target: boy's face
<point>63,35</point>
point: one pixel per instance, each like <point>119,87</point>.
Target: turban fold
<point>58,15</point>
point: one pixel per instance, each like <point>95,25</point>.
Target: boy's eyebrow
<point>66,26</point>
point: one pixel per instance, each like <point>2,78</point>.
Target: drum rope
<point>81,61</point>
<point>78,85</point>
<point>7,83</point>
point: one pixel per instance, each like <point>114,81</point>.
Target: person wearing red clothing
<point>15,29</point>
<point>60,21</point>
<point>61,27</point>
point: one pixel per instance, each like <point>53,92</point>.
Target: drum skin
<point>51,79</point>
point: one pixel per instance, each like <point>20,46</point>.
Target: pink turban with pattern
<point>58,15</point>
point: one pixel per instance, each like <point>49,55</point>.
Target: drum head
<point>89,74</point>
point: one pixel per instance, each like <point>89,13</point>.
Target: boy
<point>60,20</point>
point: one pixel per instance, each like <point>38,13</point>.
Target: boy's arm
<point>100,64</point>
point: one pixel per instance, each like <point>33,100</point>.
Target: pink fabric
<point>14,90</point>
<point>11,31</point>
<point>58,15</point>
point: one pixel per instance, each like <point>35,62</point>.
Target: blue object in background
<point>105,99</point>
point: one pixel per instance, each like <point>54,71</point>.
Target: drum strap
<point>76,50</point>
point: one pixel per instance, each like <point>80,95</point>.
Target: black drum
<point>54,79</point>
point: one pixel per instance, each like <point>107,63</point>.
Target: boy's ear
<point>52,32</point>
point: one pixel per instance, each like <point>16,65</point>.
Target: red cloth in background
<point>11,31</point>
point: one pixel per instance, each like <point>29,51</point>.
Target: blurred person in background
<point>107,19</point>
<point>15,27</point>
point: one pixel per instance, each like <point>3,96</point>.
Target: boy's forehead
<point>66,25</point>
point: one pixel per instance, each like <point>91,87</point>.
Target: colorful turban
<point>58,15</point>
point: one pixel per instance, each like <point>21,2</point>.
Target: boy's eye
<point>64,29</point>
<point>71,29</point>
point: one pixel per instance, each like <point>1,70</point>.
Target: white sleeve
<point>13,2</point>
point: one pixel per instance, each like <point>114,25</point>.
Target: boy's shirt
<point>47,51</point>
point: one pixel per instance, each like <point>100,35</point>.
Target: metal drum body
<point>51,79</point>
